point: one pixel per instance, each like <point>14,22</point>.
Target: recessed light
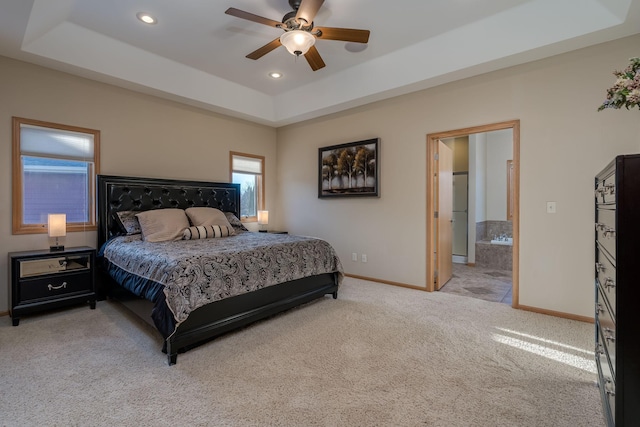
<point>275,75</point>
<point>146,18</point>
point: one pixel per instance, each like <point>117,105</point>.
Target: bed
<point>190,308</point>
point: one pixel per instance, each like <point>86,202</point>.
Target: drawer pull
<point>609,232</point>
<point>609,335</point>
<point>53,288</point>
<point>599,349</point>
<point>609,387</point>
<point>609,283</point>
<point>609,189</point>
<point>600,226</point>
<point>599,267</point>
<point>599,309</point>
<point>599,191</point>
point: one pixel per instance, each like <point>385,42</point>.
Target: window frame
<point>260,181</point>
<point>19,226</point>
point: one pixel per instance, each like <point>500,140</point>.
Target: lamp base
<point>57,248</point>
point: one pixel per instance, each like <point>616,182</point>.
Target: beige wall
<point>564,143</point>
<point>140,136</point>
<point>460,148</point>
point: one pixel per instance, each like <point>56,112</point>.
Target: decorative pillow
<point>128,222</point>
<point>234,221</point>
<point>207,216</point>
<point>160,225</point>
<point>206,231</point>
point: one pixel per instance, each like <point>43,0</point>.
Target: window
<point>248,171</point>
<point>54,171</point>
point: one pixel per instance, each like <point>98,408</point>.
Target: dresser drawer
<point>606,277</point>
<point>606,383</point>
<point>606,230</point>
<point>606,190</point>
<point>54,286</point>
<point>607,329</point>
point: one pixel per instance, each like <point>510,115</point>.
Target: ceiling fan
<point>300,34</point>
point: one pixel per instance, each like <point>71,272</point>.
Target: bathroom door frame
<point>432,170</point>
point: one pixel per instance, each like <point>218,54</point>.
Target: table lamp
<point>57,227</point>
<point>263,219</point>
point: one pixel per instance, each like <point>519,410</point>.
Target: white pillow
<point>206,231</point>
<point>160,225</point>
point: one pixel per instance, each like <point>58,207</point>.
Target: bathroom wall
<point>499,149</point>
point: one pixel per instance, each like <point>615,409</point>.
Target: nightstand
<point>43,280</point>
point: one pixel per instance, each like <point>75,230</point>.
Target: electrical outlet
<point>354,256</point>
<point>364,257</point>
<point>551,207</point>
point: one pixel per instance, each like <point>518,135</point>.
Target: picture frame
<point>349,170</point>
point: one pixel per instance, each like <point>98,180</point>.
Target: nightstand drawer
<point>55,286</point>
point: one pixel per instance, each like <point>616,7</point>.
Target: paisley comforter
<point>187,274</point>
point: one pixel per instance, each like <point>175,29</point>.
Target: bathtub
<point>507,242</point>
<point>496,254</point>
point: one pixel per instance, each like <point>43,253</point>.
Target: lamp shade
<point>263,217</point>
<point>57,224</point>
<point>297,42</point>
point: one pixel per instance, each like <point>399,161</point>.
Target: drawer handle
<point>53,288</point>
<point>600,267</point>
<point>599,191</point>
<point>609,283</point>
<point>599,309</point>
<point>609,232</point>
<point>609,335</point>
<point>609,387</point>
<point>600,226</point>
<point>610,188</point>
<point>599,349</point>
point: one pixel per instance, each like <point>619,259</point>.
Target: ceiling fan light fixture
<point>297,42</point>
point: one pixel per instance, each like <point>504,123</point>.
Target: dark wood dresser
<point>617,290</point>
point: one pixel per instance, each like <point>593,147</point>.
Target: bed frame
<point>119,193</point>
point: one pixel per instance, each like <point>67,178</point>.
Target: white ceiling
<point>196,53</point>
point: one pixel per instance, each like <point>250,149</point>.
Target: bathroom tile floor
<point>488,284</point>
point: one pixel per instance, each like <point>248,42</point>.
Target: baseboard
<point>553,313</point>
<point>4,313</point>
<point>387,282</point>
<point>471,264</point>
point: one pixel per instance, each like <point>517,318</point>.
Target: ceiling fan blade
<point>314,59</point>
<point>343,34</point>
<point>259,53</point>
<point>308,9</point>
<point>251,17</point>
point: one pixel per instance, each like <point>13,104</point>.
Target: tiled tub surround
<point>487,230</point>
<point>489,255</point>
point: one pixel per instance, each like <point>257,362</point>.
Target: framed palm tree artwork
<point>348,170</point>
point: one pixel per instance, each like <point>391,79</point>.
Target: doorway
<point>436,263</point>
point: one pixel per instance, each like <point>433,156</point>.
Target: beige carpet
<point>377,356</point>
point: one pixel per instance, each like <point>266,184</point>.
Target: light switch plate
<point>551,207</point>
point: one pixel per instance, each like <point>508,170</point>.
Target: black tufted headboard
<point>123,193</point>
